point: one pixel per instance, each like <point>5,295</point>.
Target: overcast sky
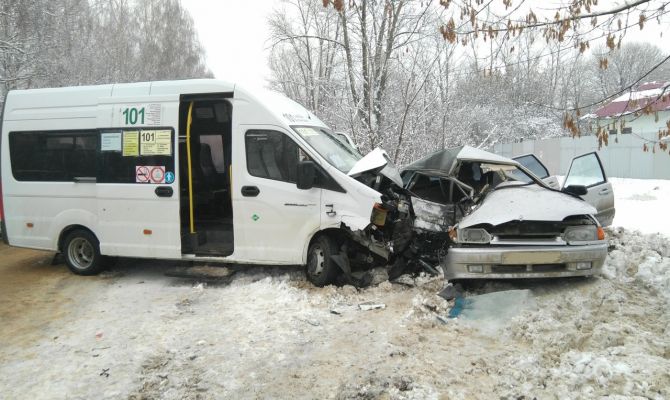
<point>234,34</point>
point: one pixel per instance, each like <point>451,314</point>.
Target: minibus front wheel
<point>321,268</point>
<point>82,253</point>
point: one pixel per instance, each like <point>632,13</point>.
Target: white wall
<point>623,157</point>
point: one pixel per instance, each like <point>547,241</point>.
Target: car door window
<point>534,165</point>
<point>585,170</point>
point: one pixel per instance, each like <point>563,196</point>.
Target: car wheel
<point>82,253</point>
<point>321,268</point>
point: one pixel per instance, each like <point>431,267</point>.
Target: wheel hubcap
<point>81,253</point>
<point>317,261</point>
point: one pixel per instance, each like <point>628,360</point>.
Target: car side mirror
<point>579,190</point>
<point>306,175</point>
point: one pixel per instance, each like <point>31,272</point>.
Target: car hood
<point>377,161</point>
<point>525,203</point>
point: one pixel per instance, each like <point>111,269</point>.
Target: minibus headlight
<point>378,216</point>
<point>581,233</point>
<point>453,234</point>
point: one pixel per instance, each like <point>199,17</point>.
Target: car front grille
<point>520,268</point>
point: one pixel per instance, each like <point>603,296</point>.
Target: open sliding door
<point>205,143</point>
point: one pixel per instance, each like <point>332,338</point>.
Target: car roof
<point>445,160</point>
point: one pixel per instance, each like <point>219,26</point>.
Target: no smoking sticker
<point>150,174</point>
<point>142,174</point>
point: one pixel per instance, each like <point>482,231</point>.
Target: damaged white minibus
<point>192,170</point>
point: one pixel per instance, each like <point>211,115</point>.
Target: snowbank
<point>134,333</point>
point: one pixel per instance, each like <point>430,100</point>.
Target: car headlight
<point>581,233</point>
<point>473,235</point>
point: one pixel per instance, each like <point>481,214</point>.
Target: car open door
<point>588,171</point>
<point>535,166</point>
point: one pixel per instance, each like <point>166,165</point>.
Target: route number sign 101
<point>133,115</point>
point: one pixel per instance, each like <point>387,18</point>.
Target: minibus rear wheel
<point>321,269</point>
<point>82,253</point>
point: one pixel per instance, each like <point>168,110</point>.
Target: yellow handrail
<point>190,173</point>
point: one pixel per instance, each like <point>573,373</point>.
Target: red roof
<point>656,94</point>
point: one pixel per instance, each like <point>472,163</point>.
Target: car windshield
<point>507,175</point>
<point>339,155</point>
<point>488,175</point>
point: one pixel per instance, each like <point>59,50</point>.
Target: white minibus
<point>193,170</point>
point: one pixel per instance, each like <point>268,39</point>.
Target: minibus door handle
<point>163,191</point>
<point>250,191</point>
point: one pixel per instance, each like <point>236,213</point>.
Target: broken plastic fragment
<point>457,309</point>
<point>369,305</point>
<point>451,292</point>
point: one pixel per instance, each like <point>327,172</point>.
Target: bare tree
<point>539,58</point>
<point>361,69</point>
<point>76,42</point>
<point>305,52</point>
<point>627,64</point>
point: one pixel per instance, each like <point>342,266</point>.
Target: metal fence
<point>622,158</point>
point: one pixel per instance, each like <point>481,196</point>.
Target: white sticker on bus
<point>139,114</point>
<point>150,174</point>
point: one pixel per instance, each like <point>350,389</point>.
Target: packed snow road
<point>135,333</point>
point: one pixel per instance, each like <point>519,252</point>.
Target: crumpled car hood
<point>525,203</point>
<point>377,160</point>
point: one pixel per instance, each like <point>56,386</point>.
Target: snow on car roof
<point>473,154</point>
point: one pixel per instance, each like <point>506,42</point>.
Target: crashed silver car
<point>506,218</point>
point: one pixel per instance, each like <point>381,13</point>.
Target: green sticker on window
<point>255,217</point>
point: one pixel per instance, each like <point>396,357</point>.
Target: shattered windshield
<point>482,176</point>
<point>507,173</point>
<point>339,155</point>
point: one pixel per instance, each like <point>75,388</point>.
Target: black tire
<point>321,270</point>
<point>81,250</point>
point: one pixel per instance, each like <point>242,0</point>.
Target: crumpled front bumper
<point>514,262</point>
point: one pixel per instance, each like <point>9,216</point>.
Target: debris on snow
<point>370,305</point>
<point>405,279</point>
<point>587,338</point>
<point>451,291</point>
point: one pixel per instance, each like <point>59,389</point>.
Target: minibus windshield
<point>339,155</point>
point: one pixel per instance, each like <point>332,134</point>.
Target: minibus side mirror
<point>306,175</point>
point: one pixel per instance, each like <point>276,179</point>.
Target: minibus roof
<point>46,103</point>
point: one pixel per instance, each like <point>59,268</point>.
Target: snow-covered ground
<point>642,204</point>
<point>135,333</point>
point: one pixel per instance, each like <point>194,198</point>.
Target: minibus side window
<point>53,156</point>
<point>271,155</point>
<point>137,156</point>
<point>274,155</point>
